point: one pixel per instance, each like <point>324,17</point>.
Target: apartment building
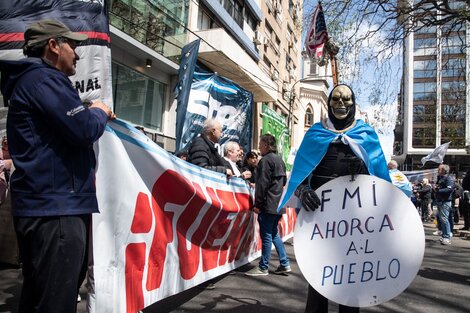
<point>434,103</point>
<point>255,43</point>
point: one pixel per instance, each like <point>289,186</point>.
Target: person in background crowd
<point>333,148</point>
<point>250,163</point>
<point>6,167</point>
<point>241,155</point>
<point>232,156</point>
<point>465,205</point>
<point>425,195</point>
<point>443,192</point>
<point>51,135</point>
<point>398,178</point>
<point>270,180</point>
<point>203,151</point>
<point>182,154</point>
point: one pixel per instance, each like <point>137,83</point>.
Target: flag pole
<point>334,70</point>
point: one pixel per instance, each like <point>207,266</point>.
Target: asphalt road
<point>441,286</point>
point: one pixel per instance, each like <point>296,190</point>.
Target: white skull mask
<point>341,102</point>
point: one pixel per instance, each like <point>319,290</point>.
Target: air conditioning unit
<point>259,39</point>
<point>292,74</point>
<point>277,7</point>
<point>275,75</point>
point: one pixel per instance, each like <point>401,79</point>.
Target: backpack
<point>457,192</point>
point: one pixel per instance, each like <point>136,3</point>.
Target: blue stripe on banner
<point>154,148</point>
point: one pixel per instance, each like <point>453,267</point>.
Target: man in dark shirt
<point>203,151</point>
<point>270,181</point>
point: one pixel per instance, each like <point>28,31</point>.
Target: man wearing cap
<point>50,137</point>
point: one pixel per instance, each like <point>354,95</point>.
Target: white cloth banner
<point>165,225</point>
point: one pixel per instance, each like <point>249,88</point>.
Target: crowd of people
<point>443,202</point>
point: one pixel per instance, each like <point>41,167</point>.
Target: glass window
<point>453,45</point>
<point>425,46</point>
<point>453,68</point>
<point>138,98</point>
<point>309,116</point>
<point>424,91</point>
<point>424,68</point>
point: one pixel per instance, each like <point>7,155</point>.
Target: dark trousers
<point>54,252</point>
<point>316,303</point>
<point>466,215</point>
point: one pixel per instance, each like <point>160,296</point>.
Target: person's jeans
<point>269,235</point>
<point>444,209</point>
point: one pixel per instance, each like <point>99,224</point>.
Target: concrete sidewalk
<point>441,286</point>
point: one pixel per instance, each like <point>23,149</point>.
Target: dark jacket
<point>203,153</point>
<point>50,138</point>
<point>270,181</point>
<point>444,188</point>
<point>425,192</point>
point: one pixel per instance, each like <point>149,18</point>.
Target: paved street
<point>442,286</point>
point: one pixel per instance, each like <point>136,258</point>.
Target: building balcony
<point>226,57</point>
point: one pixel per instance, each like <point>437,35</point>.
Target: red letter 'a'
<point>170,187</point>
<point>189,259</point>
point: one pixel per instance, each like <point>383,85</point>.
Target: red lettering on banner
<point>134,271</point>
<point>171,187</point>
<point>240,225</point>
<point>222,225</point>
<point>142,221</point>
<point>189,259</point>
<point>209,253</point>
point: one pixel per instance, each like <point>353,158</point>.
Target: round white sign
<point>365,243</point>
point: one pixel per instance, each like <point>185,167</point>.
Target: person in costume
<point>337,146</point>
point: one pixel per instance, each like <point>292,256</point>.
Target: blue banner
<point>185,79</point>
<point>213,96</point>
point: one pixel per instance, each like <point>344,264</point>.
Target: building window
<point>425,68</point>
<point>204,21</point>
<point>424,91</point>
<point>453,68</point>
<point>138,98</point>
<point>235,9</point>
<point>250,20</point>
<point>453,45</point>
<point>313,70</point>
<point>425,46</point>
<point>309,116</point>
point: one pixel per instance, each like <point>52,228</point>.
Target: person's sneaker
<point>437,233</point>
<point>79,298</point>
<point>445,241</point>
<point>282,269</point>
<point>256,271</point>
<point>451,235</point>
<point>440,239</point>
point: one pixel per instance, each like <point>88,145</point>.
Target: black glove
<point>308,197</point>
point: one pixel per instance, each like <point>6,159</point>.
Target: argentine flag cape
<point>362,139</point>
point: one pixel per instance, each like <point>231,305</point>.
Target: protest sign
<point>365,243</point>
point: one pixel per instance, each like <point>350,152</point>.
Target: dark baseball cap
<point>46,29</point>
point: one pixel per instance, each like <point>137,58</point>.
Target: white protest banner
<point>165,225</point>
<point>365,243</point>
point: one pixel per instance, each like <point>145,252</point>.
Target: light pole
<point>292,96</point>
